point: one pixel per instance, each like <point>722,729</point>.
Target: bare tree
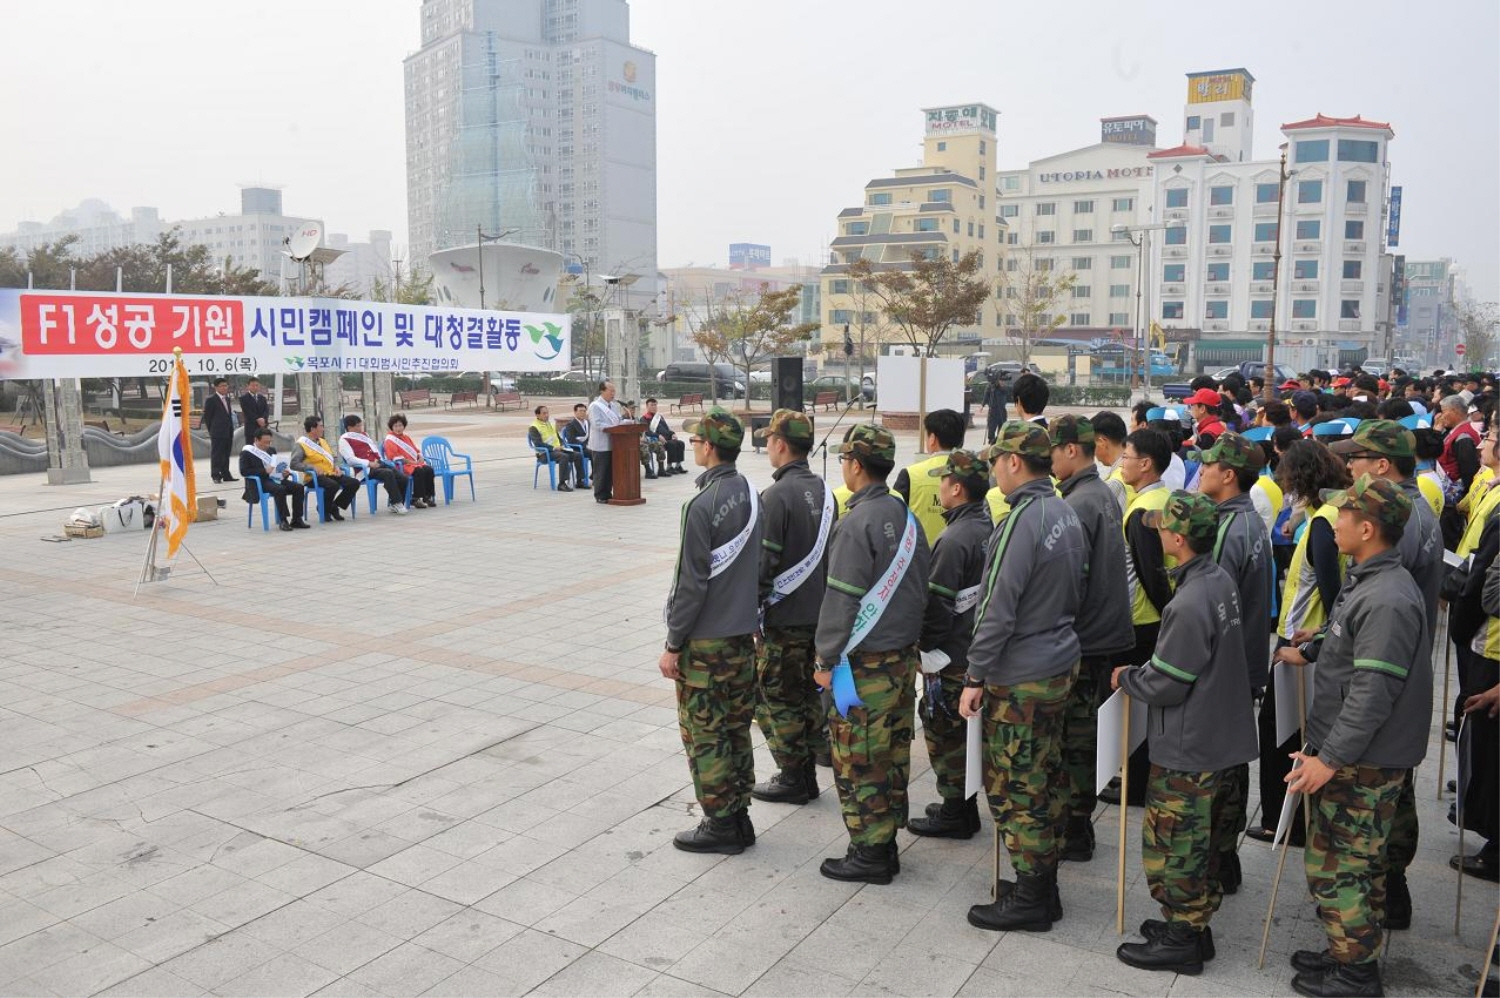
<point>755,328</point>
<point>713,341</point>
<point>1477,323</point>
<point>1033,297</point>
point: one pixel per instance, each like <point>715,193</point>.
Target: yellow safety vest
<point>1302,606</point>
<point>924,502</point>
<point>321,458</point>
<point>548,433</point>
<point>1115,476</point>
<point>1432,492</point>
<point>1142,611</point>
<point>1478,489</point>
<point>1477,517</point>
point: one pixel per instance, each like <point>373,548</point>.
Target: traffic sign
<point>1459,349</point>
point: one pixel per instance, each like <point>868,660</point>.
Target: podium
<point>625,463</point>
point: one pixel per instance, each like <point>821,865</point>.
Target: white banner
<point>63,334</point>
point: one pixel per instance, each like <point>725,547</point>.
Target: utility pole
<point>1269,388</point>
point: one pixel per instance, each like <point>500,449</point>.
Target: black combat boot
<point>824,759</point>
<point>1397,900</point>
<point>722,835</point>
<point>810,779</point>
<point>895,855</point>
<point>1025,907</point>
<point>747,830</point>
<point>1054,909</point>
<point>787,787</point>
<point>1229,872</point>
<point>1178,947</point>
<point>1341,980</point>
<point>1153,927</point>
<point>861,864</point>
<point>952,819</point>
<point>1313,961</point>
<point>1078,840</point>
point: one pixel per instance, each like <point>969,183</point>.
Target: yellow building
<point>943,207</point>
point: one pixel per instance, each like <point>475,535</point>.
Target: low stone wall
<point>21,455</point>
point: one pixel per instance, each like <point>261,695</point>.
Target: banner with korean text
<point>64,334</point>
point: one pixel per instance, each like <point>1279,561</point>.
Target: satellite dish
<point>301,244</point>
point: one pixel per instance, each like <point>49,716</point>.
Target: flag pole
<point>1124,813</point>
<point>148,568</point>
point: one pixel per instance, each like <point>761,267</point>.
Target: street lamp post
<point>1131,232</point>
<point>1269,387</point>
<point>480,239</point>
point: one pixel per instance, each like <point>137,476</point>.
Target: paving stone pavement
<point>433,755</point>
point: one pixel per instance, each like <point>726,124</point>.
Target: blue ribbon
<point>845,695</point>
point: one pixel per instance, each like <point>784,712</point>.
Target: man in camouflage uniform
<point>872,744</point>
<point>952,594</point>
<point>1386,449</point>
<point>1198,693</point>
<point>1023,660</point>
<point>710,650</point>
<point>1105,633</point>
<point>1367,727</point>
<point>798,517</point>
<point>1242,548</point>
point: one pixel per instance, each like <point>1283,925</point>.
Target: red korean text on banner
<point>114,324</point>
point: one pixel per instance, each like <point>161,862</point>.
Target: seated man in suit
<point>258,463</point>
<point>576,434</point>
<point>366,461</point>
<point>311,456</point>
<point>543,437</point>
<point>665,448</point>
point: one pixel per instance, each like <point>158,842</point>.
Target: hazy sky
<point>772,114</point>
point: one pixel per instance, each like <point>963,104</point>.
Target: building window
<point>1120,237</point>
<point>1171,310</point>
<point>1216,310</point>
<point>839,287</point>
<point>1046,236</point>
<point>1353,269</point>
<point>1119,262</point>
<point>1177,235</point>
<point>942,147</point>
<point>1219,233</point>
<point>1310,151</point>
<point>1260,308</point>
<point>926,225</point>
<point>839,316</point>
<point>955,227</point>
<point>1009,210</point>
<point>1119,291</point>
<point>1122,204</point>
<point>1305,270</point>
<point>1349,309</point>
<point>1177,197</point>
<point>1265,232</point>
<point>1355,192</point>
<point>1011,183</point>
<point>1309,228</point>
<point>1083,207</point>
<point>971,228</point>
<point>1012,238</point>
<point>884,198</point>
<point>1083,263</point>
<point>1309,191</point>
<point>1079,319</point>
<point>1218,271</point>
<point>1119,318</point>
<point>1082,291</point>
<point>1010,320</point>
<point>1304,308</point>
<point>981,202</point>
<point>1263,270</point>
<point>1194,122</point>
<point>1221,195</point>
<point>1012,265</point>
<point>940,195</point>
<point>857,228</point>
<point>1046,208</point>
<point>1265,193</point>
<point>1358,151</point>
<point>1042,264</point>
<point>955,255</point>
<point>1226,120</point>
<point>1354,230</point>
<point>981,147</point>
<point>981,230</point>
<point>1083,235</point>
<point>1174,273</point>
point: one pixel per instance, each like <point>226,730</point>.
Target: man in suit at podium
<point>602,415</point>
<point>218,420</point>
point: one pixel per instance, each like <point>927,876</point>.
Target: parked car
<point>1253,369</point>
<point>696,376</point>
<point>845,387</point>
<point>573,376</point>
<point>1012,369</point>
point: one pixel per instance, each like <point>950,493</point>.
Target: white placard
<point>1285,678</point>
<point>1111,717</point>
<point>973,758</point>
<point>900,382</point>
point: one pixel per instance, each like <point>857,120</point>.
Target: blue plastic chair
<point>588,464</point>
<point>314,493</point>
<point>439,453</point>
<point>544,459</point>
<point>265,508</point>
<point>373,487</point>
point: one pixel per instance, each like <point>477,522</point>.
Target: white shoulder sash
<point>724,555</point>
<point>787,582</point>
<point>875,602</point>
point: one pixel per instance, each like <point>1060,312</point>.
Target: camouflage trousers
<point>1401,847</point>
<point>1080,745</point>
<point>1176,844</point>
<point>1346,838</point>
<point>1023,767</point>
<point>715,708</point>
<point>947,734</point>
<point>1230,801</point>
<point>872,746</point>
<point>788,707</point>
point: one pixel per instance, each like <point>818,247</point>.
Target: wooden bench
<point>19,429</point>
<point>827,400</point>
<point>692,398</point>
<point>103,424</point>
<point>415,397</point>
<point>503,400</point>
<point>458,398</point>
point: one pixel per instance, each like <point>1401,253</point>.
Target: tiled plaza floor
<point>433,755</point>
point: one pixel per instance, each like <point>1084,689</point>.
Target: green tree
<point>755,329</point>
<point>411,288</point>
<point>929,296</point>
<point>1032,299</point>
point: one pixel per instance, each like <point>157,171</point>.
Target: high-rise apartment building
<point>535,119</point>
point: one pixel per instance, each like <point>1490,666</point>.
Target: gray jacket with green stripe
<point>1372,695</point>
<point>1201,718</point>
<point>725,605</point>
<point>1033,582</point>
<point>1243,549</point>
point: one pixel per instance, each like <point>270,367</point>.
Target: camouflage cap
<point>1191,514</point>
<point>790,424</point>
<point>964,464</point>
<point>1017,437</point>
<point>718,426</point>
<point>1377,498</point>
<point>1071,430</point>
<point>1383,437</point>
<point>1232,449</point>
<point>870,443</point>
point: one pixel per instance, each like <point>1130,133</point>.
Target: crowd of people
<point>1197,560</point>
